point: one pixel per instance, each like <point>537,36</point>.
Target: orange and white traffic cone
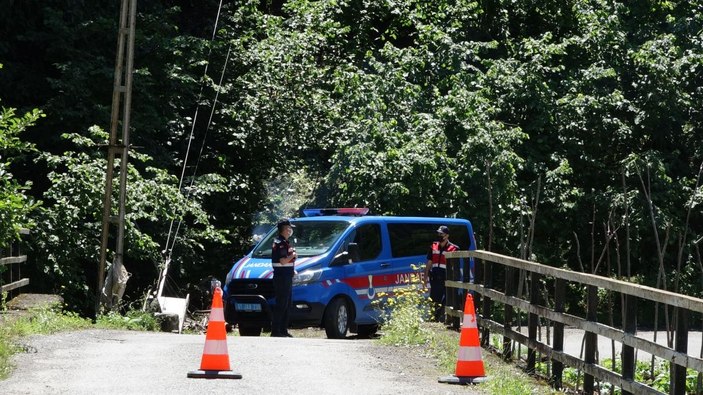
<point>469,365</point>
<point>215,362</point>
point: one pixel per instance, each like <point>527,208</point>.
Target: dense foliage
<point>569,132</point>
<point>15,204</point>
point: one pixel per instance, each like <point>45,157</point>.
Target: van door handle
<point>385,264</point>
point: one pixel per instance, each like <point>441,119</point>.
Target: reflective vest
<point>438,258</point>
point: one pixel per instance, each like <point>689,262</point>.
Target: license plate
<point>248,307</point>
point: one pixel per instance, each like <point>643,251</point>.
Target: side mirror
<point>348,256</point>
<point>354,254</point>
<point>341,259</point>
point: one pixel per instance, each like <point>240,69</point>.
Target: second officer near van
<point>283,260</point>
<point>436,270</point>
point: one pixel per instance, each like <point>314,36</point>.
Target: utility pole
<point>118,147</point>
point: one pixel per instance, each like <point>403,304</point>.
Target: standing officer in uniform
<point>436,270</point>
<point>283,260</point>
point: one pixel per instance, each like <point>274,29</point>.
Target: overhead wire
<point>195,116</point>
<point>169,245</point>
<point>202,146</point>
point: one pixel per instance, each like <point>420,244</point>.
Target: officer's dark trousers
<point>438,291</point>
<point>283,291</point>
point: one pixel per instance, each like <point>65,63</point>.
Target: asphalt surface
<point>120,362</point>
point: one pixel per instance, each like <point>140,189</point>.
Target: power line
<point>202,148</point>
<point>169,245</point>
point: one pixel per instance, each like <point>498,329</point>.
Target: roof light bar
<point>351,211</point>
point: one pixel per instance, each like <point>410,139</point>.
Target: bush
<point>134,320</point>
<point>403,313</point>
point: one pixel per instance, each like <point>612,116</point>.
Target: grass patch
<point>508,379</point>
<point>405,324</point>
<point>444,346</point>
<point>37,322</point>
<point>133,320</point>
<point>46,321</point>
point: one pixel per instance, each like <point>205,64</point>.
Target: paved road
<point>118,362</point>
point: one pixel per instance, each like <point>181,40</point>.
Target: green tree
<point>15,204</point>
<point>67,241</point>
<point>527,117</point>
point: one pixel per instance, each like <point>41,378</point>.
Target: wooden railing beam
<point>632,293</point>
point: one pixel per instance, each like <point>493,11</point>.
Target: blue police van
<point>345,259</point>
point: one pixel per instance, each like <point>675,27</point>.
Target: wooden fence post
<point>591,338</point>
<point>558,341</point>
<point>448,292</point>
<point>452,295</point>
<point>510,289</point>
<point>466,278</point>
<point>628,352</point>
<point>678,373</point>
<point>487,303</point>
<point>532,319</point>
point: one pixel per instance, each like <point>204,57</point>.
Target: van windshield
<point>309,238</point>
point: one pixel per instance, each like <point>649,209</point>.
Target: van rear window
<point>411,239</point>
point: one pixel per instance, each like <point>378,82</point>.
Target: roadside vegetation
<point>655,374</point>
<point>49,320</point>
<point>13,329</point>
<point>406,324</point>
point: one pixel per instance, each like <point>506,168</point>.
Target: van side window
<point>411,239</point>
<point>368,237</point>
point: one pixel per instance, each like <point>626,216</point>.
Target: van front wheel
<point>249,330</point>
<point>337,319</point>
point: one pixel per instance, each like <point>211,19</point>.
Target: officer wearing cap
<point>283,260</point>
<point>436,270</point>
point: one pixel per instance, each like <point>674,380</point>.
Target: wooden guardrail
<point>487,293</point>
<point>11,268</point>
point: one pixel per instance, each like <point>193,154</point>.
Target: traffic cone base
<point>469,365</point>
<point>214,374</point>
<point>215,362</point>
<point>462,380</point>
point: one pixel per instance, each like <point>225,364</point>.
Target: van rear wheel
<point>337,319</point>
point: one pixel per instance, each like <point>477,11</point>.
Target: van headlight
<point>307,277</point>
